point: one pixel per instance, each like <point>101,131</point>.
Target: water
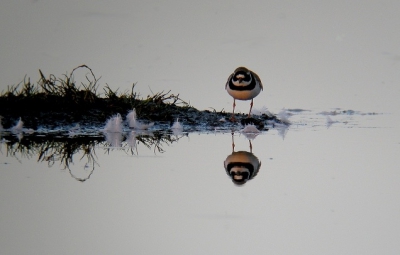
<point>320,189</point>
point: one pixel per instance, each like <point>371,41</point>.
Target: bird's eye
<point>248,73</point>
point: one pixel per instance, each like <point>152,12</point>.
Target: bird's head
<point>239,175</point>
<point>242,77</point>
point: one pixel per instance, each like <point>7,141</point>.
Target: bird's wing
<point>258,79</point>
<point>229,78</point>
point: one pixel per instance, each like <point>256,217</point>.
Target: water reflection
<point>242,166</point>
<point>114,140</point>
<point>77,154</point>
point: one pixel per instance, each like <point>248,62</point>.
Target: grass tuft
<point>64,99</point>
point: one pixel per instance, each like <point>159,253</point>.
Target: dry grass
<point>64,99</point>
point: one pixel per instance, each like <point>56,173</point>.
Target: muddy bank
<point>95,116</point>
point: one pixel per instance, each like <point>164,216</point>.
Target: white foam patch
<point>261,111</point>
<point>114,124</point>
<point>131,118</point>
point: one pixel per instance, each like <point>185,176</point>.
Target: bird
<point>241,166</point>
<point>243,84</point>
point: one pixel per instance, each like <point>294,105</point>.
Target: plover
<point>243,84</point>
<point>241,166</point>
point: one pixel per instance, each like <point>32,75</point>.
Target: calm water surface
<point>320,189</point>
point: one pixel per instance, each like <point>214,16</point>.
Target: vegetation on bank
<point>63,100</point>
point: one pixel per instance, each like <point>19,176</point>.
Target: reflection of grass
<point>157,140</point>
<point>53,149</point>
<point>62,99</point>
<point>60,149</point>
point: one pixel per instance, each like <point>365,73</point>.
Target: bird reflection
<point>241,166</point>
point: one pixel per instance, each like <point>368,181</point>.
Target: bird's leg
<point>251,106</point>
<point>233,111</point>
<point>233,143</point>
<point>251,147</point>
